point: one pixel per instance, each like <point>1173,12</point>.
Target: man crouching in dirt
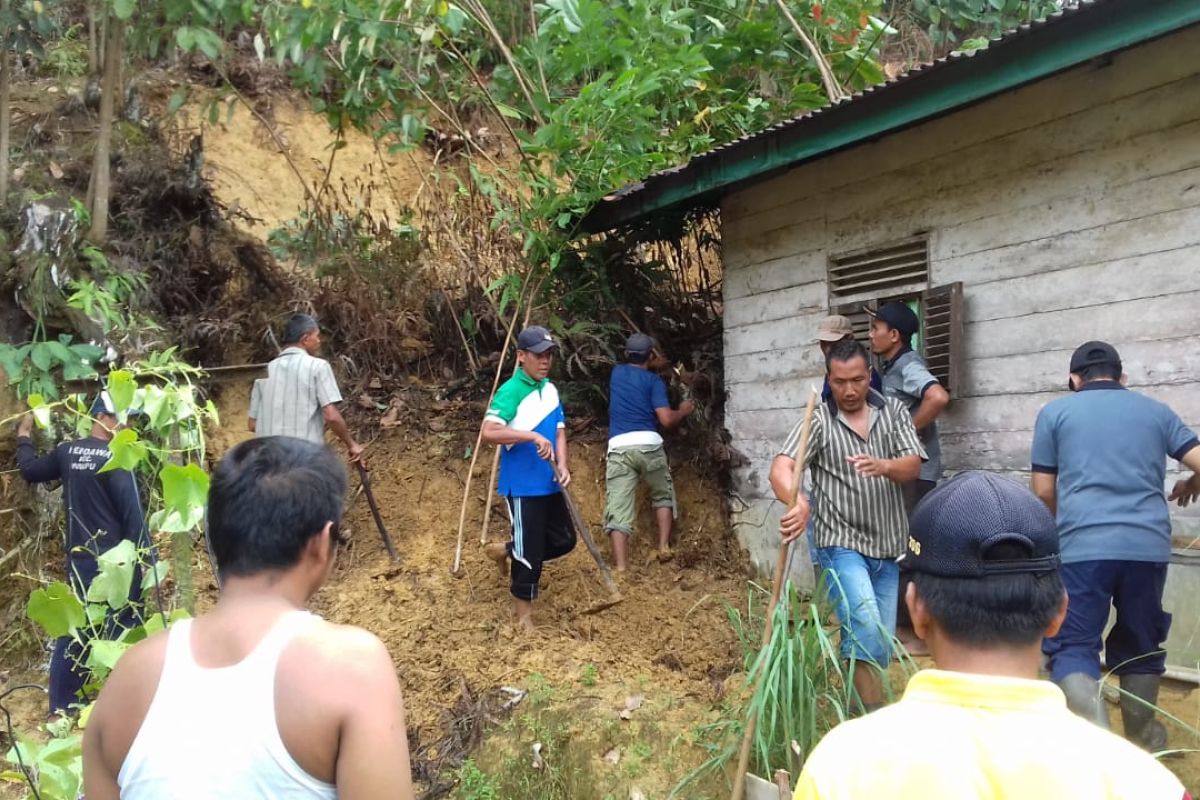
<point>258,698</point>
<point>986,588</point>
<point>526,420</point>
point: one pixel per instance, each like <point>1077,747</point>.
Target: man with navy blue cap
<point>1099,463</point>
<point>525,418</point>
<point>101,510</point>
<point>637,408</point>
<point>986,588</point>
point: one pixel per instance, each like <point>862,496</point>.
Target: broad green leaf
<point>185,492</point>
<point>41,411</point>
<point>115,578</point>
<point>56,609</point>
<point>121,388</point>
<point>127,452</point>
<point>41,356</point>
<point>156,403</point>
<point>124,8</point>
<point>178,98</point>
<point>154,575</point>
<point>104,654</point>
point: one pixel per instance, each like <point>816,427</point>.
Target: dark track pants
<point>542,532</point>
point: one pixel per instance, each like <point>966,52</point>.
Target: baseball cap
<point>898,316</point>
<point>535,339</point>
<point>639,343</point>
<point>1091,354</point>
<point>955,525</point>
<point>103,404</point>
<point>834,328</point>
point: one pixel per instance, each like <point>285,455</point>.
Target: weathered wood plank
<point>1125,238</point>
<point>769,276</point>
<point>1169,316</point>
<point>797,332</point>
<point>779,304</point>
<point>1018,411</point>
<point>777,244</point>
<point>1088,86</point>
<point>797,362</point>
<point>1147,363</point>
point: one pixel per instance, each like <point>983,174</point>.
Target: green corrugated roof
<point>1030,53</point>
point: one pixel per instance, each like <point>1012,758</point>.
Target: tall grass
<point>806,687</point>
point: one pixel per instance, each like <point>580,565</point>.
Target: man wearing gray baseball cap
<point>986,588</point>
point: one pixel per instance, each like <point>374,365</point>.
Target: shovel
<point>614,594</point>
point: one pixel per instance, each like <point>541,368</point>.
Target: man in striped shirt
<point>299,395</point>
<point>862,448</point>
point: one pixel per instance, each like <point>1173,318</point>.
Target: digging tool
<point>383,534</point>
<point>739,781</point>
<point>614,593</point>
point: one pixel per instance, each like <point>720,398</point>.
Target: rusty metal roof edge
<point>1051,45</point>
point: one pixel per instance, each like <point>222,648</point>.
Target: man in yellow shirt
<point>986,588</point>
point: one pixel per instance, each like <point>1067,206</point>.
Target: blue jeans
<point>863,592</point>
<point>1134,646</point>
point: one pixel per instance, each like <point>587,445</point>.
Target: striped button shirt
<point>289,400</point>
<point>849,510</point>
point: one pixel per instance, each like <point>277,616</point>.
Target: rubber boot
<point>1083,697</point>
<point>1139,696</point>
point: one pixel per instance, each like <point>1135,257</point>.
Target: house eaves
<point>1066,39</point>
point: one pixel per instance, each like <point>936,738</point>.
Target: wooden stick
<point>739,777</point>
<point>487,509</point>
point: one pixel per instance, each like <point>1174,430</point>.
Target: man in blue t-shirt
<point>526,420</point>
<point>1099,463</point>
<point>637,407</point>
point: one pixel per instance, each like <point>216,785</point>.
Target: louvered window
<point>900,272</point>
<point>890,270</point>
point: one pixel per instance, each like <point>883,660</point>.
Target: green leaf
<point>40,356</point>
<point>56,609</point>
<point>121,389</point>
<point>185,492</point>
<point>115,579</point>
<point>184,38</point>
<point>41,412</point>
<point>124,8</point>
<point>104,654</point>
<point>155,575</point>
<point>178,98</point>
<point>127,452</point>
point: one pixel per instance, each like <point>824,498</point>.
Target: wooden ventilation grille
<point>880,270</point>
<point>942,334</point>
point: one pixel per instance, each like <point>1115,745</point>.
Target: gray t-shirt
<point>906,378</point>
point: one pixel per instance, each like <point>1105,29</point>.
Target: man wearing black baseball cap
<point>908,379</point>
<point>101,509</point>
<point>637,407</point>
<point>526,420</point>
<point>1099,463</point>
<point>983,552</point>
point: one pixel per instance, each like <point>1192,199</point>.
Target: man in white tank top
<point>257,699</point>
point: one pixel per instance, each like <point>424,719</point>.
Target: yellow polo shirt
<point>957,736</point>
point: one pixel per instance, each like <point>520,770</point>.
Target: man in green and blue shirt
<point>525,419</point>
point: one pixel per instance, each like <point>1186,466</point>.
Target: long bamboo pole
<point>739,777</point>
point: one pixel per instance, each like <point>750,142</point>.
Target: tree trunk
<point>93,41</point>
<point>109,89</point>
<point>5,111</point>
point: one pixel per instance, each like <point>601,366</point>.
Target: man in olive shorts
<point>637,407</point>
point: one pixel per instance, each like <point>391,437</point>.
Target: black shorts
<point>542,531</point>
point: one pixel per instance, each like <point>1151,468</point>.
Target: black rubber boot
<point>1139,696</point>
<point>1083,697</point>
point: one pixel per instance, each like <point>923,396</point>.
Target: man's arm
<point>906,452</point>
<point>670,419</point>
<point>34,469</point>
<point>1045,486</point>
<point>336,423</point>
<point>373,760</point>
<point>561,457</point>
<point>499,433</point>
<point>932,403</point>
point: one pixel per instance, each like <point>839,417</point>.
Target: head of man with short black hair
<point>849,373</point>
<point>316,708</point>
<point>1095,361</point>
<point>892,329</point>
<point>535,352</point>
<point>302,330</point>
<point>986,589</point>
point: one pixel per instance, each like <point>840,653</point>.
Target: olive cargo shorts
<point>626,466</point>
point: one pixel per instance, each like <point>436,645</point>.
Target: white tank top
<point>211,733</point>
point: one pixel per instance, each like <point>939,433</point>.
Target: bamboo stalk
<point>739,780</point>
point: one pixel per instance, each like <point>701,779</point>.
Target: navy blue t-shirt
<point>634,394</point>
<point>1108,447</point>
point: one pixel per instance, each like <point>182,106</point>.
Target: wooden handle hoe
<point>739,778</point>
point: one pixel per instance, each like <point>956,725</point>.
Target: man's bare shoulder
<point>345,649</point>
